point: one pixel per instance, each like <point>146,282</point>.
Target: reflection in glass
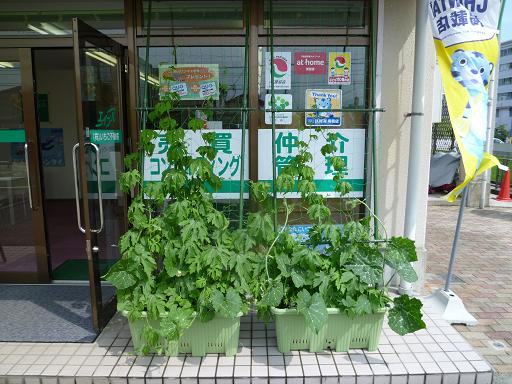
<point>230,61</point>
<point>227,14</point>
<point>17,254</point>
<point>319,13</point>
<point>53,18</point>
<point>226,117</point>
<point>100,105</point>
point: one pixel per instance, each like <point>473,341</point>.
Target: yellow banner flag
<point>465,37</point>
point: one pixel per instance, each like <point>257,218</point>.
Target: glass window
<point>504,96</point>
<point>53,18</point>
<point>506,52</point>
<point>209,79</point>
<point>505,81</point>
<point>194,14</point>
<point>322,14</point>
<point>229,60</point>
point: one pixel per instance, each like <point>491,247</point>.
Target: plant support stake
<point>145,100</point>
<point>273,103</point>
<point>244,118</point>
<point>373,116</point>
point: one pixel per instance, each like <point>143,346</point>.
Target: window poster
<point>323,100</point>
<point>190,81</point>
<point>339,68</point>
<point>281,67</point>
<point>310,63</point>
<point>227,163</point>
<point>109,163</point>
<point>349,147</point>
<point>282,102</point>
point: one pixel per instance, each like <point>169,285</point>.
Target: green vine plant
<point>180,260</point>
<point>338,266</point>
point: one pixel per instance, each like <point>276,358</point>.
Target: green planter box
<point>220,335</point>
<point>340,333</point>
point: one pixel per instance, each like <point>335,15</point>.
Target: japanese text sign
<point>310,63</point>
<point>190,81</point>
<point>106,119</point>
<point>109,164</point>
<point>455,23</point>
<point>106,136</point>
<point>350,147</point>
<point>227,163</point>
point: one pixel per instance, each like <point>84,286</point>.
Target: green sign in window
<point>106,136</point>
<point>12,135</point>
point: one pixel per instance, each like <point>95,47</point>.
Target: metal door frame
<point>83,33</point>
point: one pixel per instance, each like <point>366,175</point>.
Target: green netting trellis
<point>230,114</point>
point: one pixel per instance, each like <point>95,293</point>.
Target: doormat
<point>78,269</point>
<point>52,313</point>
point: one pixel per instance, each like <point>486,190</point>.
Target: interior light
<point>53,29</point>
<point>107,56</point>
<point>95,56</point>
<point>6,64</point>
<point>35,29</point>
<point>151,79</point>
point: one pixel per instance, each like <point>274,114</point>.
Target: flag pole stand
<point>444,301</point>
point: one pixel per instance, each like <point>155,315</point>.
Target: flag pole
<point>444,301</point>
<point>456,236</point>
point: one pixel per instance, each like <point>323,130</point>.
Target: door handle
<point>98,178</point>
<point>77,197</point>
<point>28,177</point>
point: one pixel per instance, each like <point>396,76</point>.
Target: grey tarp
<point>443,167</point>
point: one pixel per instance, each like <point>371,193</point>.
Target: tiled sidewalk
<point>438,355</point>
<point>484,269</point>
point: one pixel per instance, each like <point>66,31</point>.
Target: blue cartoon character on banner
<point>472,70</point>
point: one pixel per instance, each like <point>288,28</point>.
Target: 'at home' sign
<point>310,63</point>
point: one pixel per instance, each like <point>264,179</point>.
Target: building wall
<point>394,127</point>
<point>504,97</point>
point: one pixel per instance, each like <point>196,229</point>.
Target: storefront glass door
<point>22,242</point>
<point>98,156</point>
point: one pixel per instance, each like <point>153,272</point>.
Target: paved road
<point>485,266</point>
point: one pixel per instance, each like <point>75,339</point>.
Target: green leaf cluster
<point>338,266</point>
<point>180,259</point>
